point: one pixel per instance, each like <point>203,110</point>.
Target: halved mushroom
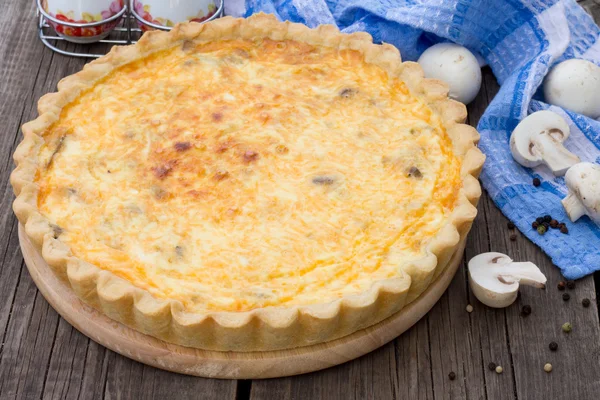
<point>538,139</point>
<point>494,278</point>
<point>583,181</point>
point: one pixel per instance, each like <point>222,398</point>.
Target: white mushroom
<point>538,139</point>
<point>495,278</point>
<point>455,65</point>
<point>574,85</point>
<point>583,181</point>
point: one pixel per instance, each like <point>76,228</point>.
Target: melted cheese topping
<point>238,175</point>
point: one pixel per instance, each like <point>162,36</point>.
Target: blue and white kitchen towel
<point>520,41</point>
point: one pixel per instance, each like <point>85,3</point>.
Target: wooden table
<point>42,356</point>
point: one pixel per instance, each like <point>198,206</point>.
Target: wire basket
<point>126,32</point>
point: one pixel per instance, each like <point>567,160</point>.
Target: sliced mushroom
<point>56,230</point>
<point>538,139</point>
<point>414,172</point>
<point>179,252</point>
<point>220,174</point>
<point>159,193</point>
<point>325,180</point>
<point>59,146</point>
<point>348,92</point>
<point>583,181</point>
<point>164,170</point>
<point>494,278</point>
<point>182,146</point>
<point>282,149</point>
<point>188,46</point>
<point>250,156</point>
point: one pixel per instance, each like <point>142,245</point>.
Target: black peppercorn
<point>564,230</point>
<point>585,302</point>
<point>536,182</point>
<point>492,366</point>
<point>571,285</point>
<point>534,224</point>
<point>561,285</point>
<point>513,237</point>
<point>553,346</point>
<point>510,225</point>
<point>525,311</point>
<point>547,218</point>
<point>546,225</point>
<point>452,376</point>
<point>554,224</point>
<point>539,220</point>
<point>566,296</point>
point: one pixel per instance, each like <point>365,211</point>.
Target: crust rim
<point>262,329</point>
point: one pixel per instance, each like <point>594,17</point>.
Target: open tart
<point>248,184</point>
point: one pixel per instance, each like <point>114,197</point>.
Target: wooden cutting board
<point>225,365</point>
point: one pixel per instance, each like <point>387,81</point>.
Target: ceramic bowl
<point>83,12</point>
<point>168,13</point>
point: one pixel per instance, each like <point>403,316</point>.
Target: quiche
<point>248,184</point>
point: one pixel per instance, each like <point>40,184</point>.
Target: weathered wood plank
<point>95,371</point>
<point>413,363</point>
<point>28,343</point>
<point>457,342</point>
<point>11,268</point>
<point>21,315</point>
<point>128,379</point>
<point>67,363</point>
<point>488,327</point>
<point>369,377</point>
<point>23,365</point>
<point>592,7</point>
<point>455,346</point>
<point>490,330</point>
<point>529,337</point>
<point>19,65</point>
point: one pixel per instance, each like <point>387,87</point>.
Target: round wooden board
<point>225,365</point>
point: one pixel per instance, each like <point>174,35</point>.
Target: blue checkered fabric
<point>520,41</point>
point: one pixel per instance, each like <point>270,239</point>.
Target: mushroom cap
<point>583,179</point>
<point>455,65</point>
<point>574,85</point>
<point>539,123</point>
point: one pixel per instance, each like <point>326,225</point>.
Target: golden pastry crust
<point>267,328</point>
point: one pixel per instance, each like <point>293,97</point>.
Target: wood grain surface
<point>42,356</point>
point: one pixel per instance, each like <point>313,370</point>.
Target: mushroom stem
<point>525,273</point>
<point>555,155</point>
<point>573,206</point>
